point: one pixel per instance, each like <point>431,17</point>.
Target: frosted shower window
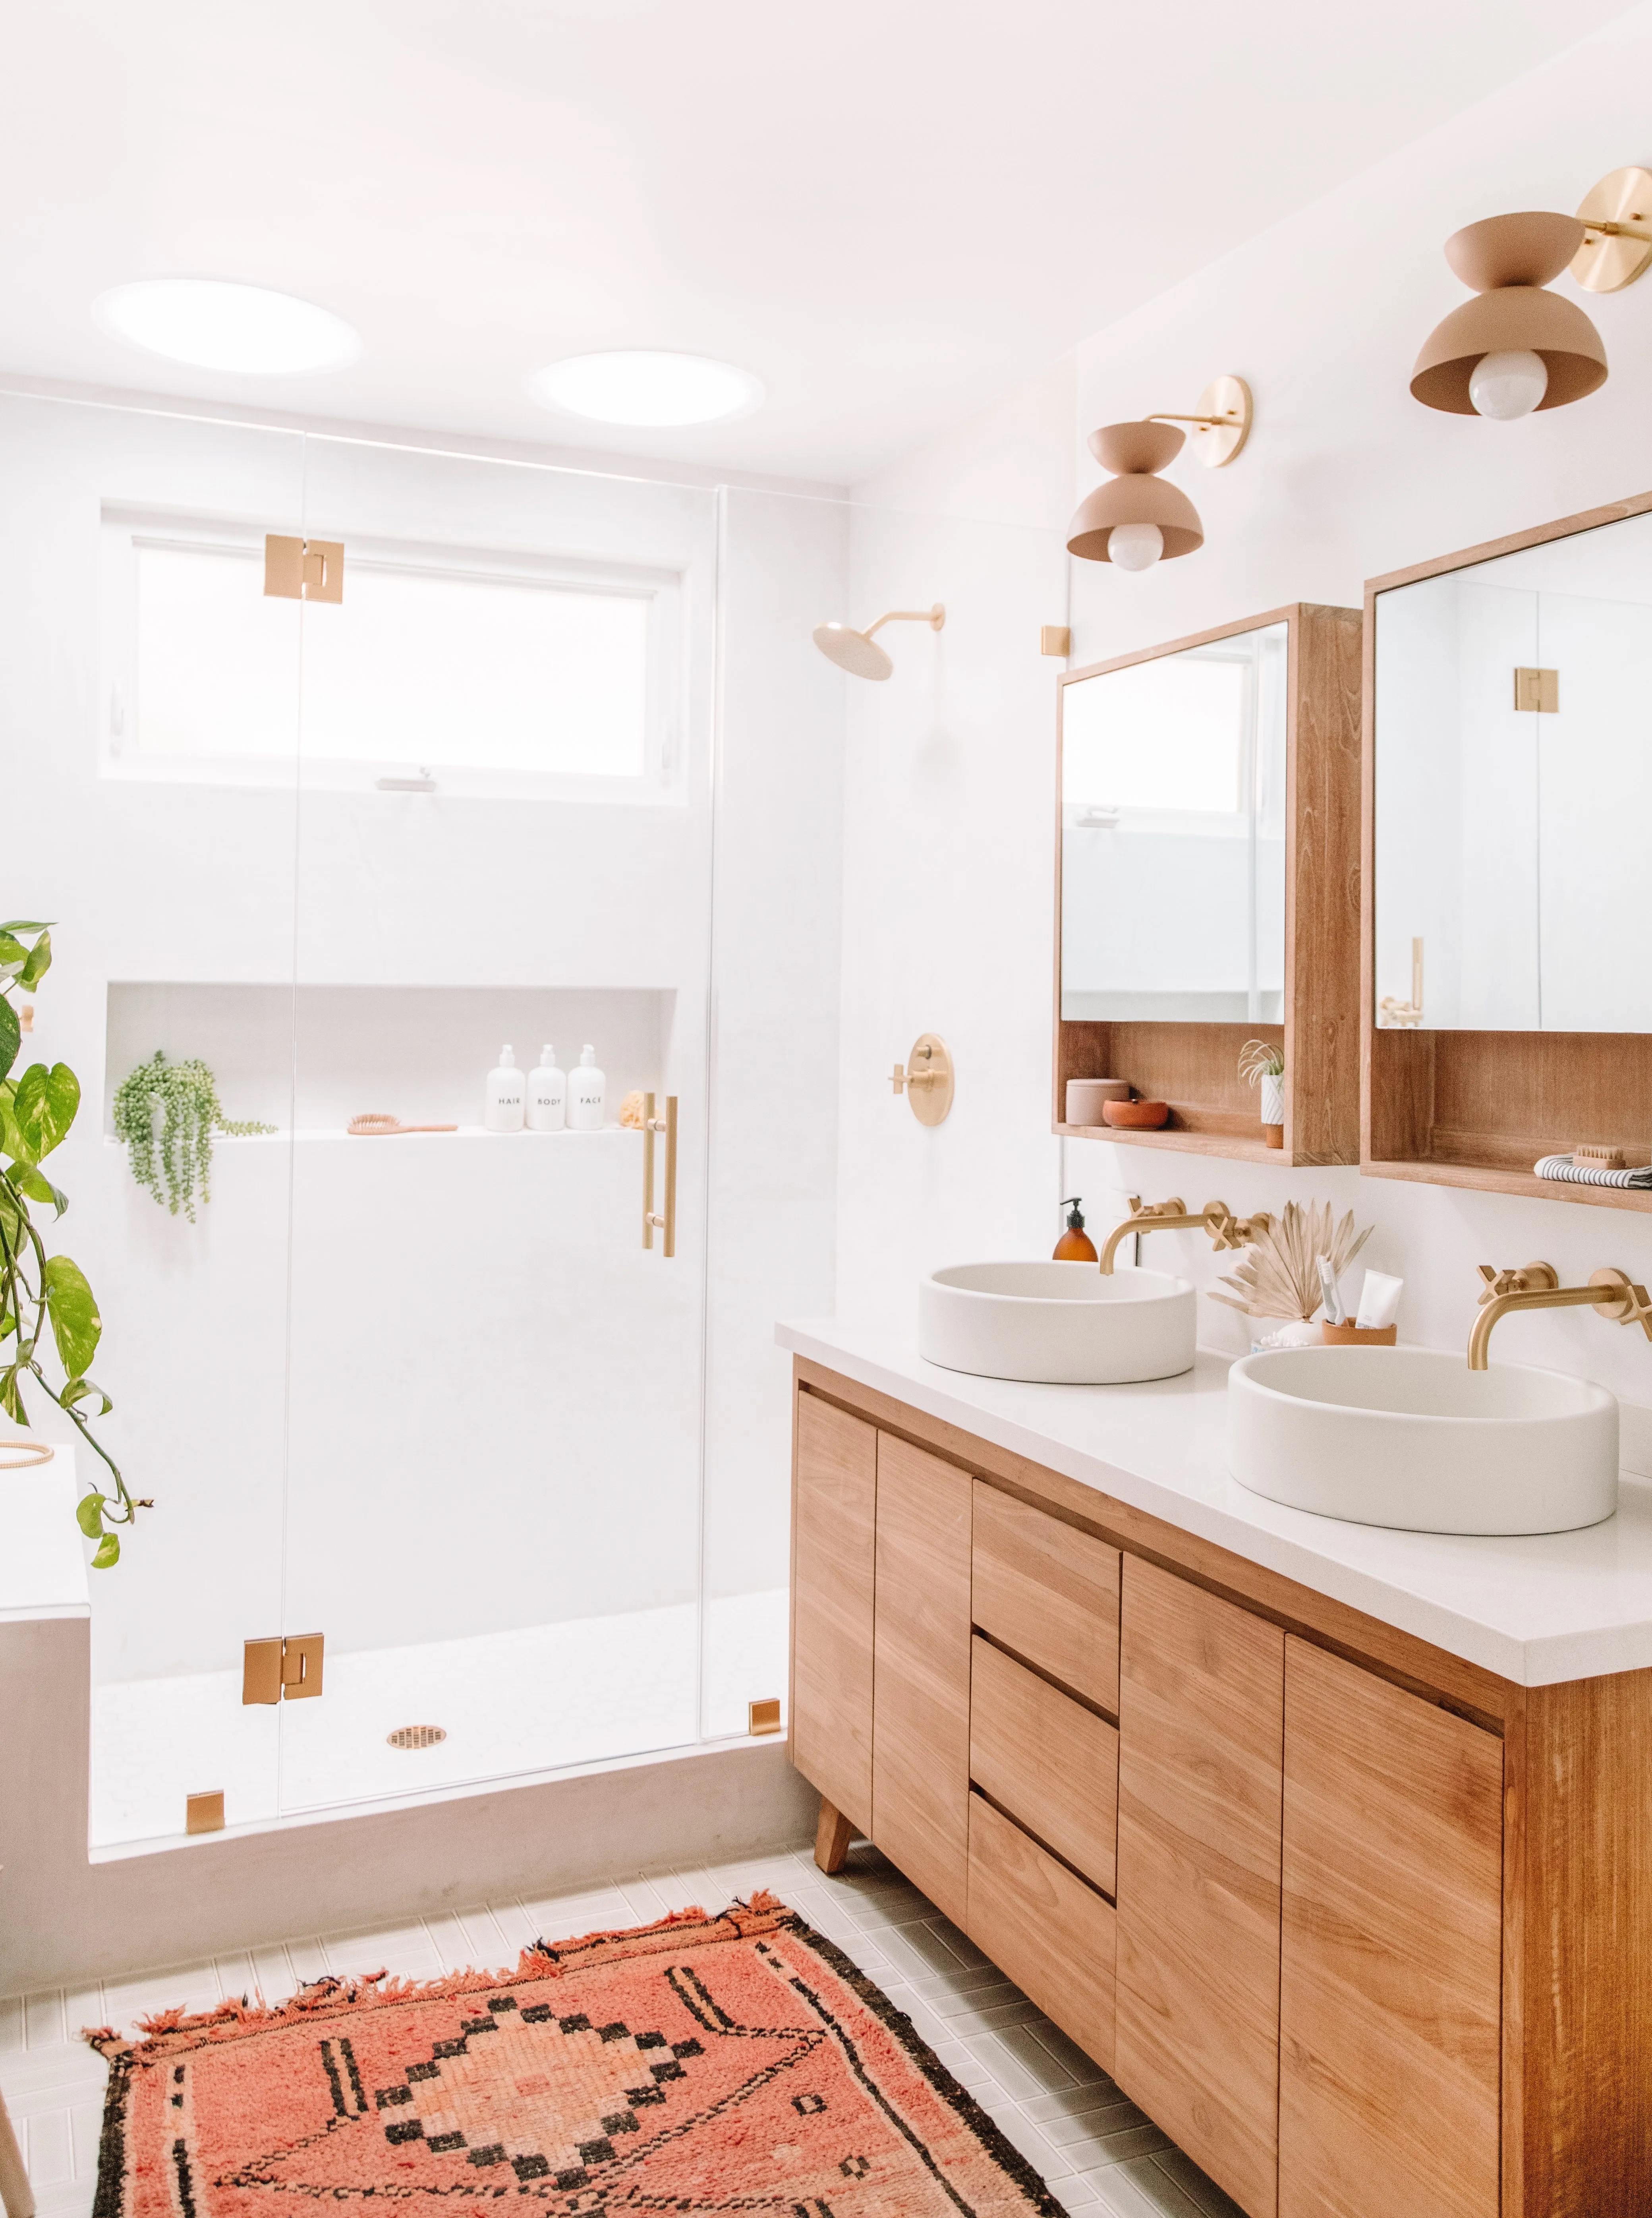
<point>496,682</point>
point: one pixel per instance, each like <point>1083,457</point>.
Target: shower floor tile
<point>1099,2153</point>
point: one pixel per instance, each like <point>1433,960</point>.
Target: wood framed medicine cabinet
<point>1112,1020</point>
<point>1507,746</point>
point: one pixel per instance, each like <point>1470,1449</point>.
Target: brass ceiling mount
<point>1135,519</point>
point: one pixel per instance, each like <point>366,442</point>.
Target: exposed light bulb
<point>1509,383</point>
<point>1134,546</point>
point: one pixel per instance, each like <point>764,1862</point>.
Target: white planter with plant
<point>1262,1064</point>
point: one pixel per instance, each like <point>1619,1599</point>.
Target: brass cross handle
<point>1227,1231</point>
<point>1534,1278</point>
<point>925,1079</point>
<point>1632,1307</point>
<point>1174,1207</point>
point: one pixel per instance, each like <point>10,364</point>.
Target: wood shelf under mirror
<point>1309,919</point>
<point>1502,859</point>
<point>1479,1109</point>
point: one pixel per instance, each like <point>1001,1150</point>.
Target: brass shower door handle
<point>653,1221</point>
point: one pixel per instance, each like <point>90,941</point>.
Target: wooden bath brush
<point>381,1127</point>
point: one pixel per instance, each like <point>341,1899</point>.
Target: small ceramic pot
<point>1135,1116</point>
<point>1358,1336</point>
<point>1086,1096</point>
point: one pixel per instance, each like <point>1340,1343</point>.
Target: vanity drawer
<point>1044,1929</point>
<point>1052,1763</point>
<point>1048,1591</point>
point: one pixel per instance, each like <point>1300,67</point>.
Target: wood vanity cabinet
<point>1201,1707</point>
<point>1366,1930</point>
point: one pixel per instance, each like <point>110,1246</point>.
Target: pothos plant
<point>42,1294</point>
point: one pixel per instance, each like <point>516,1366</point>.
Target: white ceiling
<point>891,211</point>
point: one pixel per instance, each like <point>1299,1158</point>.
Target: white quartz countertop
<point>1536,1610</point>
<point>42,1556</point>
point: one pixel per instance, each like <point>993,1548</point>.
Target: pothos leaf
<point>107,1552</point>
<point>38,963</point>
<point>13,954</point>
<point>13,1220</point>
<point>79,1390</point>
<point>11,1034</point>
<point>76,1326</point>
<point>38,1187</point>
<point>10,1400</point>
<point>88,1516</point>
<point>45,1106</point>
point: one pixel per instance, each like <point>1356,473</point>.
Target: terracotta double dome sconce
<point>1516,347</point>
<point>1136,519</point>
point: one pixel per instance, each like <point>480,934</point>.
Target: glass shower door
<point>493,1491</point>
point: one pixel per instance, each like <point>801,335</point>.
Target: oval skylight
<point>218,325</point>
<point>645,388</point>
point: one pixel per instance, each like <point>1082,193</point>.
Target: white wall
<point>1345,478</point>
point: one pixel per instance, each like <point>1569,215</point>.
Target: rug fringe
<point>540,1959</point>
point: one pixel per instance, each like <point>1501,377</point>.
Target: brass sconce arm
<point>1226,1230</point>
<point>1612,1292</point>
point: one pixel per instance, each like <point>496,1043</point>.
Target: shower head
<point>858,653</point>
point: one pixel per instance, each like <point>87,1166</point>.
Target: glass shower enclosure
<point>427,1407</point>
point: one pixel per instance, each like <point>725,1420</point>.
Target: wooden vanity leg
<point>832,1838</point>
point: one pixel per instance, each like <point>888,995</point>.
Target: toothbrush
<point>1335,1312</point>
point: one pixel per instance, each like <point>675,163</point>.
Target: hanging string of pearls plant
<point>167,1113</point>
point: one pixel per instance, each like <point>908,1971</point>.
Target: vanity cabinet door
<point>1201,1717</point>
<point>1391,1984</point>
<point>834,1516</point>
<point>920,1733</point>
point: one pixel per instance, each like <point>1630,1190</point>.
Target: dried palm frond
<point>1279,1274</point>
<point>1261,1059</point>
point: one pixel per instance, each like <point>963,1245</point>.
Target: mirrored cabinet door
<point>1509,725</point>
<point>1208,874</point>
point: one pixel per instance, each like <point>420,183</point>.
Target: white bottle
<point>585,1089</point>
<point>548,1095</point>
<point>502,1104</point>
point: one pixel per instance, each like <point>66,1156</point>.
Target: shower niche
<point>306,1059</point>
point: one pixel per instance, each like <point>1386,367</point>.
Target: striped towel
<point>1563,1166</point>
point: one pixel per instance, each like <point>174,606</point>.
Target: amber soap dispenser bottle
<point>1075,1245</point>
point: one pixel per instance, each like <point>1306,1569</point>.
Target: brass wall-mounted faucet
<point>1226,1230</point>
<point>1537,1287</point>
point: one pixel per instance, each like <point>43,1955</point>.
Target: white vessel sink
<point>1062,1323</point>
<point>1411,1437</point>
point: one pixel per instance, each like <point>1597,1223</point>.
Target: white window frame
<point>126,531</point>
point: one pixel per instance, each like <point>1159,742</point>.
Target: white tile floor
<point>1096,2150</point>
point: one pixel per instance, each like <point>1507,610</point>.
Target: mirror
<point>1513,787</point>
<point>1173,817</point>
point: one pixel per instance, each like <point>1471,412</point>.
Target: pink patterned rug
<point>738,2063</point>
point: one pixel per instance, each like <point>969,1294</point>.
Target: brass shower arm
<point>934,619</point>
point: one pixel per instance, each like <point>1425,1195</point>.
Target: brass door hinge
<point>283,1669</point>
<point>304,569</point>
<point>1537,689</point>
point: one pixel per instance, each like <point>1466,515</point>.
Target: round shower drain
<point>417,1736</point>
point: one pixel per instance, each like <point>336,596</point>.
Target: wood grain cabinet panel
<point>1053,1935</point>
<point>834,1519</point>
<point>921,1730</point>
<point>1391,1984</point>
<point>1051,1764</point>
<point>1201,1728</point>
<point>1049,1592</point>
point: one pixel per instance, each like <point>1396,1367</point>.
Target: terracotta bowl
<point>1358,1336</point>
<point>1136,1116</point>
